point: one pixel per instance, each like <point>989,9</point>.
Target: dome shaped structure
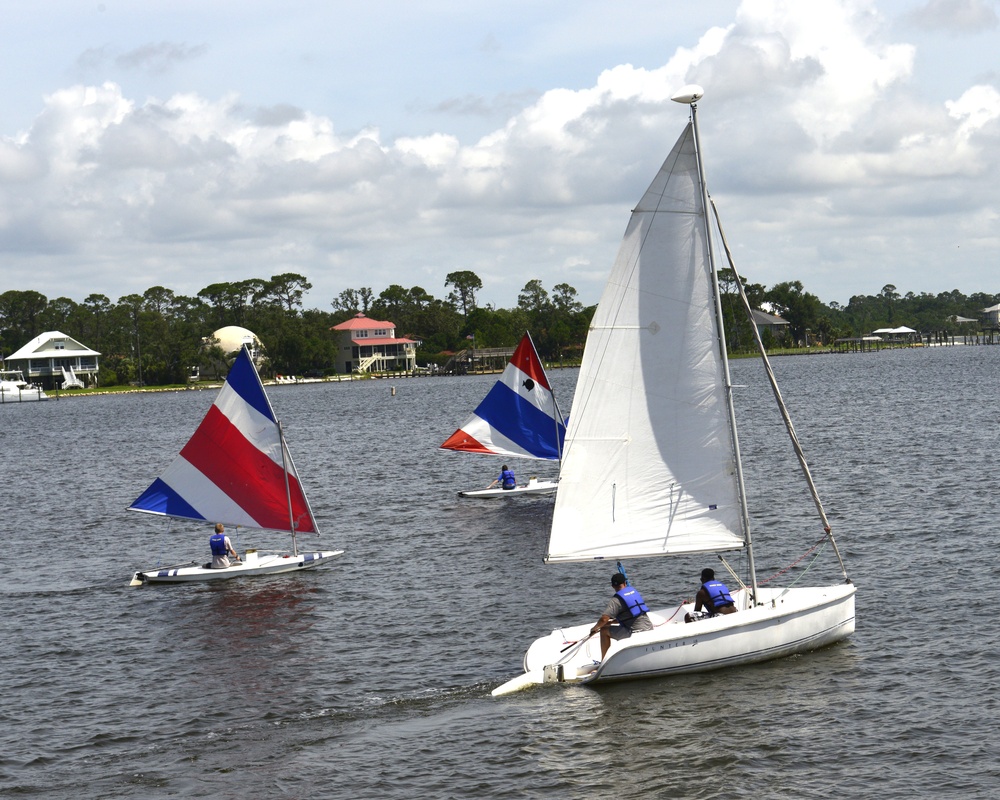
<point>233,337</point>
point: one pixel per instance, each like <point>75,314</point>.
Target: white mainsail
<point>649,465</point>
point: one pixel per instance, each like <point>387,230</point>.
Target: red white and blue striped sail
<point>519,417</point>
<point>236,468</point>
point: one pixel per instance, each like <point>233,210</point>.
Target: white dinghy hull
<point>533,486</point>
<point>253,564</point>
<point>786,622</point>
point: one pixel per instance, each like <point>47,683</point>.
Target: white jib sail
<point>649,466</point>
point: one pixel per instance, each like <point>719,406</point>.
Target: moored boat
<point>15,389</point>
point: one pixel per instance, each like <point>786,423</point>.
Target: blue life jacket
<point>507,479</point>
<point>218,544</point>
<point>634,604</point>
<point>718,594</point>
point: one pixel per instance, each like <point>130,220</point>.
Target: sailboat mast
<point>741,487</point>
<point>288,490</point>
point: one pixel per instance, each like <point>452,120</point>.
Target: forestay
<point>649,464</point>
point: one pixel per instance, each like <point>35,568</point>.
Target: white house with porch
<point>991,316</point>
<point>54,360</point>
<point>370,345</point>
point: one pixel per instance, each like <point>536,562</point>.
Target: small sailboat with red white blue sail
<point>235,469</point>
<point>518,418</point>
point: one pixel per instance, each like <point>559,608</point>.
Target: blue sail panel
<point>160,498</point>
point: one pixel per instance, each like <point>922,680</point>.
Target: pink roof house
<point>369,345</point>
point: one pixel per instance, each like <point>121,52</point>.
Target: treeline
<point>819,323</point>
<point>156,337</point>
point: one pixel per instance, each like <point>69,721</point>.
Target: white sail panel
<point>649,464</point>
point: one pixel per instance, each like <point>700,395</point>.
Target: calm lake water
<point>370,677</point>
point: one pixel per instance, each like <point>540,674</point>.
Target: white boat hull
<point>253,563</point>
<point>533,486</point>
<point>29,395</point>
<point>786,622</point>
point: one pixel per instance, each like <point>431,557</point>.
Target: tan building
<point>370,345</point>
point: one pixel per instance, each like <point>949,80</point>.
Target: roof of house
<point>42,347</point>
<point>359,322</point>
<point>233,337</point>
<point>763,318</point>
<point>366,342</point>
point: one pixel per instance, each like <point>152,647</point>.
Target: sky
<point>849,144</point>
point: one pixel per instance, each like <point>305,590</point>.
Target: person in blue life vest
<point>713,598</point>
<point>625,614</point>
<point>505,480</point>
<point>222,548</point>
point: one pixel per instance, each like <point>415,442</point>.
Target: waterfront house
<point>371,345</point>
<point>54,360</point>
<point>769,322</point>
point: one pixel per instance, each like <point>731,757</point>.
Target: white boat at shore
<point>15,389</point>
<point>235,469</point>
<point>652,466</point>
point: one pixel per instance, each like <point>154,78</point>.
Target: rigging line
<point>732,572</point>
<point>781,572</point>
<point>796,446</point>
<point>667,620</point>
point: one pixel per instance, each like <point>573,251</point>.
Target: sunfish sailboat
<point>518,418</point>
<point>652,464</point>
<point>237,470</point>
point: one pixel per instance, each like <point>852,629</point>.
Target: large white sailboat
<point>651,464</point>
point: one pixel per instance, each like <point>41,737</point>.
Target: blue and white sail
<point>519,416</point>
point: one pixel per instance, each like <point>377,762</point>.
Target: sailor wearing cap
<point>625,614</point>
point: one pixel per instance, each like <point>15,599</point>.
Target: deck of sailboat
<point>786,622</point>
<point>253,563</point>
<point>533,488</point>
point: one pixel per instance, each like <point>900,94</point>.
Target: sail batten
<point>649,460</point>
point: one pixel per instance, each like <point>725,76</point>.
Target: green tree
<point>21,318</point>
<point>791,302</point>
<point>466,284</point>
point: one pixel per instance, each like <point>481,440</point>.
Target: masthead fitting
<point>689,94</point>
